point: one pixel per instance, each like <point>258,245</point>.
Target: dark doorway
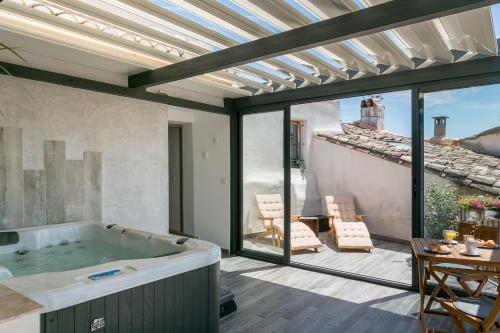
<point>176,223</point>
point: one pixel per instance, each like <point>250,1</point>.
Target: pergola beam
<point>429,78</point>
<point>106,88</point>
<point>364,22</point>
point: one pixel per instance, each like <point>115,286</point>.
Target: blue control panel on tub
<point>104,275</point>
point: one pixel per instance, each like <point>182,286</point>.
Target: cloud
<point>439,98</point>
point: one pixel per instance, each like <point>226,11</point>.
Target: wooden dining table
<point>489,263</point>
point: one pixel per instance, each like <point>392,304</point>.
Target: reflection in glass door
<point>350,190</point>
<point>263,210</point>
<point>462,159</point>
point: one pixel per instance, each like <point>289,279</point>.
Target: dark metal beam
<point>235,229</point>
<point>389,15</point>
<point>430,78</point>
<point>76,82</point>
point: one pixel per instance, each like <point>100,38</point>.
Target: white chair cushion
<point>301,236</point>
<point>352,235</point>
<point>341,207</point>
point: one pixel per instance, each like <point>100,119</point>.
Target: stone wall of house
<point>305,197</point>
<point>262,163</point>
<point>263,159</point>
<point>381,189</point>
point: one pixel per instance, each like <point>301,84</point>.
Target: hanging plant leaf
<point>5,70</point>
<point>13,51</point>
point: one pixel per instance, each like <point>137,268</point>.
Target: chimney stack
<point>372,114</point>
<point>440,127</point>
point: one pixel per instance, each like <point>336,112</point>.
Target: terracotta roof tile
<point>458,164</point>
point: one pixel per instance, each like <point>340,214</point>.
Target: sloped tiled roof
<point>455,163</point>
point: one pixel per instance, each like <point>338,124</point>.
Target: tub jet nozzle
<point>181,240</point>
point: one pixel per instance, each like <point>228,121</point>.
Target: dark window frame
<point>296,127</point>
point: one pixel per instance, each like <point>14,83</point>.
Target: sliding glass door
<point>401,164</point>
<point>462,163</point>
<point>350,186</point>
<point>263,186</point>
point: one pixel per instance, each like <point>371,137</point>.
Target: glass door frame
<point>417,115</point>
<point>237,230</point>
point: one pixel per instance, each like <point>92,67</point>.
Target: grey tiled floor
<point>274,298</point>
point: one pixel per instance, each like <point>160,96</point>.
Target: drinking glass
<point>449,235</point>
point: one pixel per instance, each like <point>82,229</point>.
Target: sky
<point>471,110</point>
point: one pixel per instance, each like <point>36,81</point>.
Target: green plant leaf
<point>13,51</point>
<point>5,70</point>
<point>441,209</point>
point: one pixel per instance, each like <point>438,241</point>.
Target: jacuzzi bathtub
<point>153,271</point>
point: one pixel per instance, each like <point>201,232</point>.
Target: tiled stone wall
<point>131,136</point>
<point>64,191</point>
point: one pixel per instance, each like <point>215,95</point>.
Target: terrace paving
<point>388,261</point>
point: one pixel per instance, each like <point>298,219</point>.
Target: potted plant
<point>301,163</point>
<point>471,208</point>
<point>477,207</point>
<point>492,207</point>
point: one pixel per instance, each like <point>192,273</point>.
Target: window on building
<point>296,142</point>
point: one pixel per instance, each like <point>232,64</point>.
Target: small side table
<point>312,222</point>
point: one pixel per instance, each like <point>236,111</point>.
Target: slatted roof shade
<point>379,46</point>
<point>152,34</point>
<point>216,39</point>
<point>471,32</point>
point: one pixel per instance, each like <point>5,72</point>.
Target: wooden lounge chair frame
<point>275,230</point>
<point>272,230</point>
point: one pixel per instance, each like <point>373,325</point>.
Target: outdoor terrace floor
<point>390,260</point>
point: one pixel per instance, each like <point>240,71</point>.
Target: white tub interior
<point>67,247</point>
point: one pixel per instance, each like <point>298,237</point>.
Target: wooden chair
<point>480,312</point>
<point>462,273</point>
<point>272,215</point>
<point>347,228</point>
<point>485,231</point>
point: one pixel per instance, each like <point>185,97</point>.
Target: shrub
<point>441,210</point>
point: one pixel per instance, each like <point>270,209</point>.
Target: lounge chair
<point>272,216</point>
<point>347,228</point>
